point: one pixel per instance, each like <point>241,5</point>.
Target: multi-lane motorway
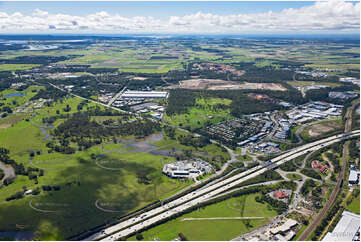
<point>146,219</point>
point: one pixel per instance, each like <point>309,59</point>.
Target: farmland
<point>85,154</point>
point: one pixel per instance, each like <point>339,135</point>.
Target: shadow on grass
<point>80,187</point>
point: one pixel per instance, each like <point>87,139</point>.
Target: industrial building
<point>353,177</point>
<point>187,169</point>
<point>342,95</point>
<point>285,227</point>
<point>313,111</point>
<point>140,95</point>
<point>347,229</point>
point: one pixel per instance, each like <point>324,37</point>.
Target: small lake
<point>144,144</point>
<point>15,94</point>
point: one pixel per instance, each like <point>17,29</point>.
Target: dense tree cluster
<point>266,74</point>
<point>180,100</point>
<point>5,80</point>
<point>269,175</point>
<point>322,93</point>
<point>354,151</point>
<point>307,186</point>
<point>332,212</point>
<point>85,133</point>
<point>335,160</point>
<point>279,206</point>
<point>49,93</point>
<point>17,195</point>
<point>50,188</point>
<point>169,132</point>
<point>197,142</point>
<point>36,59</point>
<point>311,173</point>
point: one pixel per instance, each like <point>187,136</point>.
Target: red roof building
<point>279,194</point>
<point>319,166</point>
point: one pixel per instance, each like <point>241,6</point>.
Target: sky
<point>252,17</point>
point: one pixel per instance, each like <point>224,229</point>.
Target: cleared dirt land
<point>217,84</point>
<point>321,128</point>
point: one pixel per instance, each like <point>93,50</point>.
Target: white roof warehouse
<point>346,229</point>
<point>144,94</point>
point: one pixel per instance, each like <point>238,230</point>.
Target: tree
<point>139,236</point>
<point>182,237</point>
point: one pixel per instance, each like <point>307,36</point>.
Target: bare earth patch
<point>140,78</point>
<point>217,84</point>
<point>319,129</point>
<point>11,120</point>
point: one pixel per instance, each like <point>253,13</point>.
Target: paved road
<point>232,154</point>
<point>144,220</point>
<point>221,218</point>
<point>306,233</point>
<point>182,207</point>
<point>224,167</point>
<point>116,96</point>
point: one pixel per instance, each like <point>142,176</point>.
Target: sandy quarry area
<point>217,84</point>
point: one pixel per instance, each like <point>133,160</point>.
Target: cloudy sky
<point>334,16</point>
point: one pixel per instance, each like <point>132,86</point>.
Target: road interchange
<point>146,219</point>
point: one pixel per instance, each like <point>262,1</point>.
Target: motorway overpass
<point>146,219</point>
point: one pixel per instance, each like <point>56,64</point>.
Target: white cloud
<point>333,15</point>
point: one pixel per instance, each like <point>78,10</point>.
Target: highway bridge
<point>194,198</point>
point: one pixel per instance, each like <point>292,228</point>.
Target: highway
<point>146,219</point>
<point>348,125</point>
<point>116,96</point>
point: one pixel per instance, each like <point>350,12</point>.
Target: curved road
<point>132,225</point>
<point>348,124</point>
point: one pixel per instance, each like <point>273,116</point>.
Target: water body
<point>44,131</point>
<point>18,235</point>
<point>144,145</point>
<point>164,152</point>
<point>15,94</point>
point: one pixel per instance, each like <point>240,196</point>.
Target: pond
<point>144,144</point>
<point>15,94</point>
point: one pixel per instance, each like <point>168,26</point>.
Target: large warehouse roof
<point>346,228</point>
<point>144,94</point>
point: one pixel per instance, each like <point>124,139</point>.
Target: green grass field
<point>204,111</point>
<point>18,100</point>
<point>354,206</point>
<point>14,67</point>
<point>293,176</point>
<point>116,189</point>
<point>243,206</point>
